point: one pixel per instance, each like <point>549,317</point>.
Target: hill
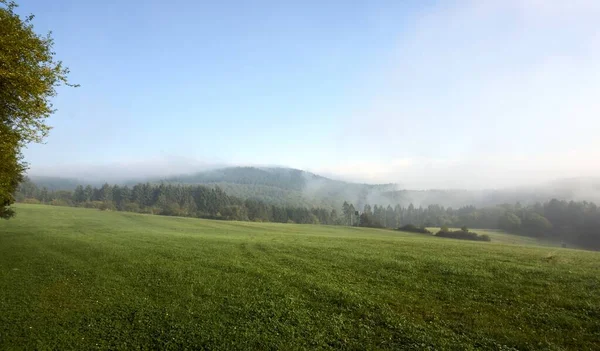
<point>287,186</point>
<point>89,279</point>
<point>55,183</point>
<point>293,187</point>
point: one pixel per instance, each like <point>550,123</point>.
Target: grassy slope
<point>78,278</point>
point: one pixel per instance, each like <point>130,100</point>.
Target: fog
<point>484,94</point>
<point>325,189</point>
<point>119,172</point>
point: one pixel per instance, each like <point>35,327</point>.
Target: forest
<point>575,223</point>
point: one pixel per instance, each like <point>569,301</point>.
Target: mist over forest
<point>288,186</point>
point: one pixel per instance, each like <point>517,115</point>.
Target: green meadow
<point>73,278</point>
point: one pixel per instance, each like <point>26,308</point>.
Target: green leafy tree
<point>536,224</point>
<point>347,212</point>
<point>29,76</point>
<point>11,169</point>
<point>79,195</point>
<point>510,222</point>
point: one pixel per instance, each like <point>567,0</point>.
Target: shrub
<point>106,206</point>
<point>31,201</point>
<point>93,204</point>
<point>131,207</point>
<point>59,202</point>
<point>413,229</point>
<point>462,235</point>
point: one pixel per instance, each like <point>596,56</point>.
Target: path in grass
<point>79,278</point>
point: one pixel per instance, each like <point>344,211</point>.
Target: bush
<point>131,207</point>
<point>462,235</point>
<point>413,229</point>
<point>59,202</point>
<point>93,204</point>
<point>31,201</point>
<point>106,206</point>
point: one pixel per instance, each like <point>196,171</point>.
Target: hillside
<point>88,279</point>
<point>286,186</point>
<point>55,183</point>
<point>292,186</point>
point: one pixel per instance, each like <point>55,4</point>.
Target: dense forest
<point>571,222</point>
<point>284,187</point>
<point>174,200</point>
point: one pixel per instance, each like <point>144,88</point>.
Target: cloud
<point>485,94</point>
<point>476,172</point>
<point>543,9</point>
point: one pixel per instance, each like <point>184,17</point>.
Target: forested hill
<point>292,187</point>
<point>285,186</point>
<point>283,178</point>
<point>273,185</point>
<point>55,183</point>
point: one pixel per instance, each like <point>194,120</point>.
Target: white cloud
<point>485,94</point>
<point>476,172</point>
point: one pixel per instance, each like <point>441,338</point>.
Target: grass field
<point>75,278</point>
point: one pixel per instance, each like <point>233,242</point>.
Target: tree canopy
<point>29,76</point>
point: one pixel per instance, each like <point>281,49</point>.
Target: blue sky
<point>467,94</point>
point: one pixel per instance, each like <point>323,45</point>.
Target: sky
<point>427,94</point>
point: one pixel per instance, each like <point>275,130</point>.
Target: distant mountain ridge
<point>278,185</point>
<point>294,187</point>
<point>284,178</point>
<point>55,183</point>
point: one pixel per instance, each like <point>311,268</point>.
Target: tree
<point>333,217</point>
<point>11,170</point>
<point>510,222</point>
<point>369,220</point>
<point>79,195</point>
<point>346,212</point>
<point>353,219</point>
<point>29,76</point>
<point>536,224</point>
<point>88,193</point>
<point>106,193</point>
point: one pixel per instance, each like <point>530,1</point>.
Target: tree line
<point>572,222</point>
<point>175,200</point>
